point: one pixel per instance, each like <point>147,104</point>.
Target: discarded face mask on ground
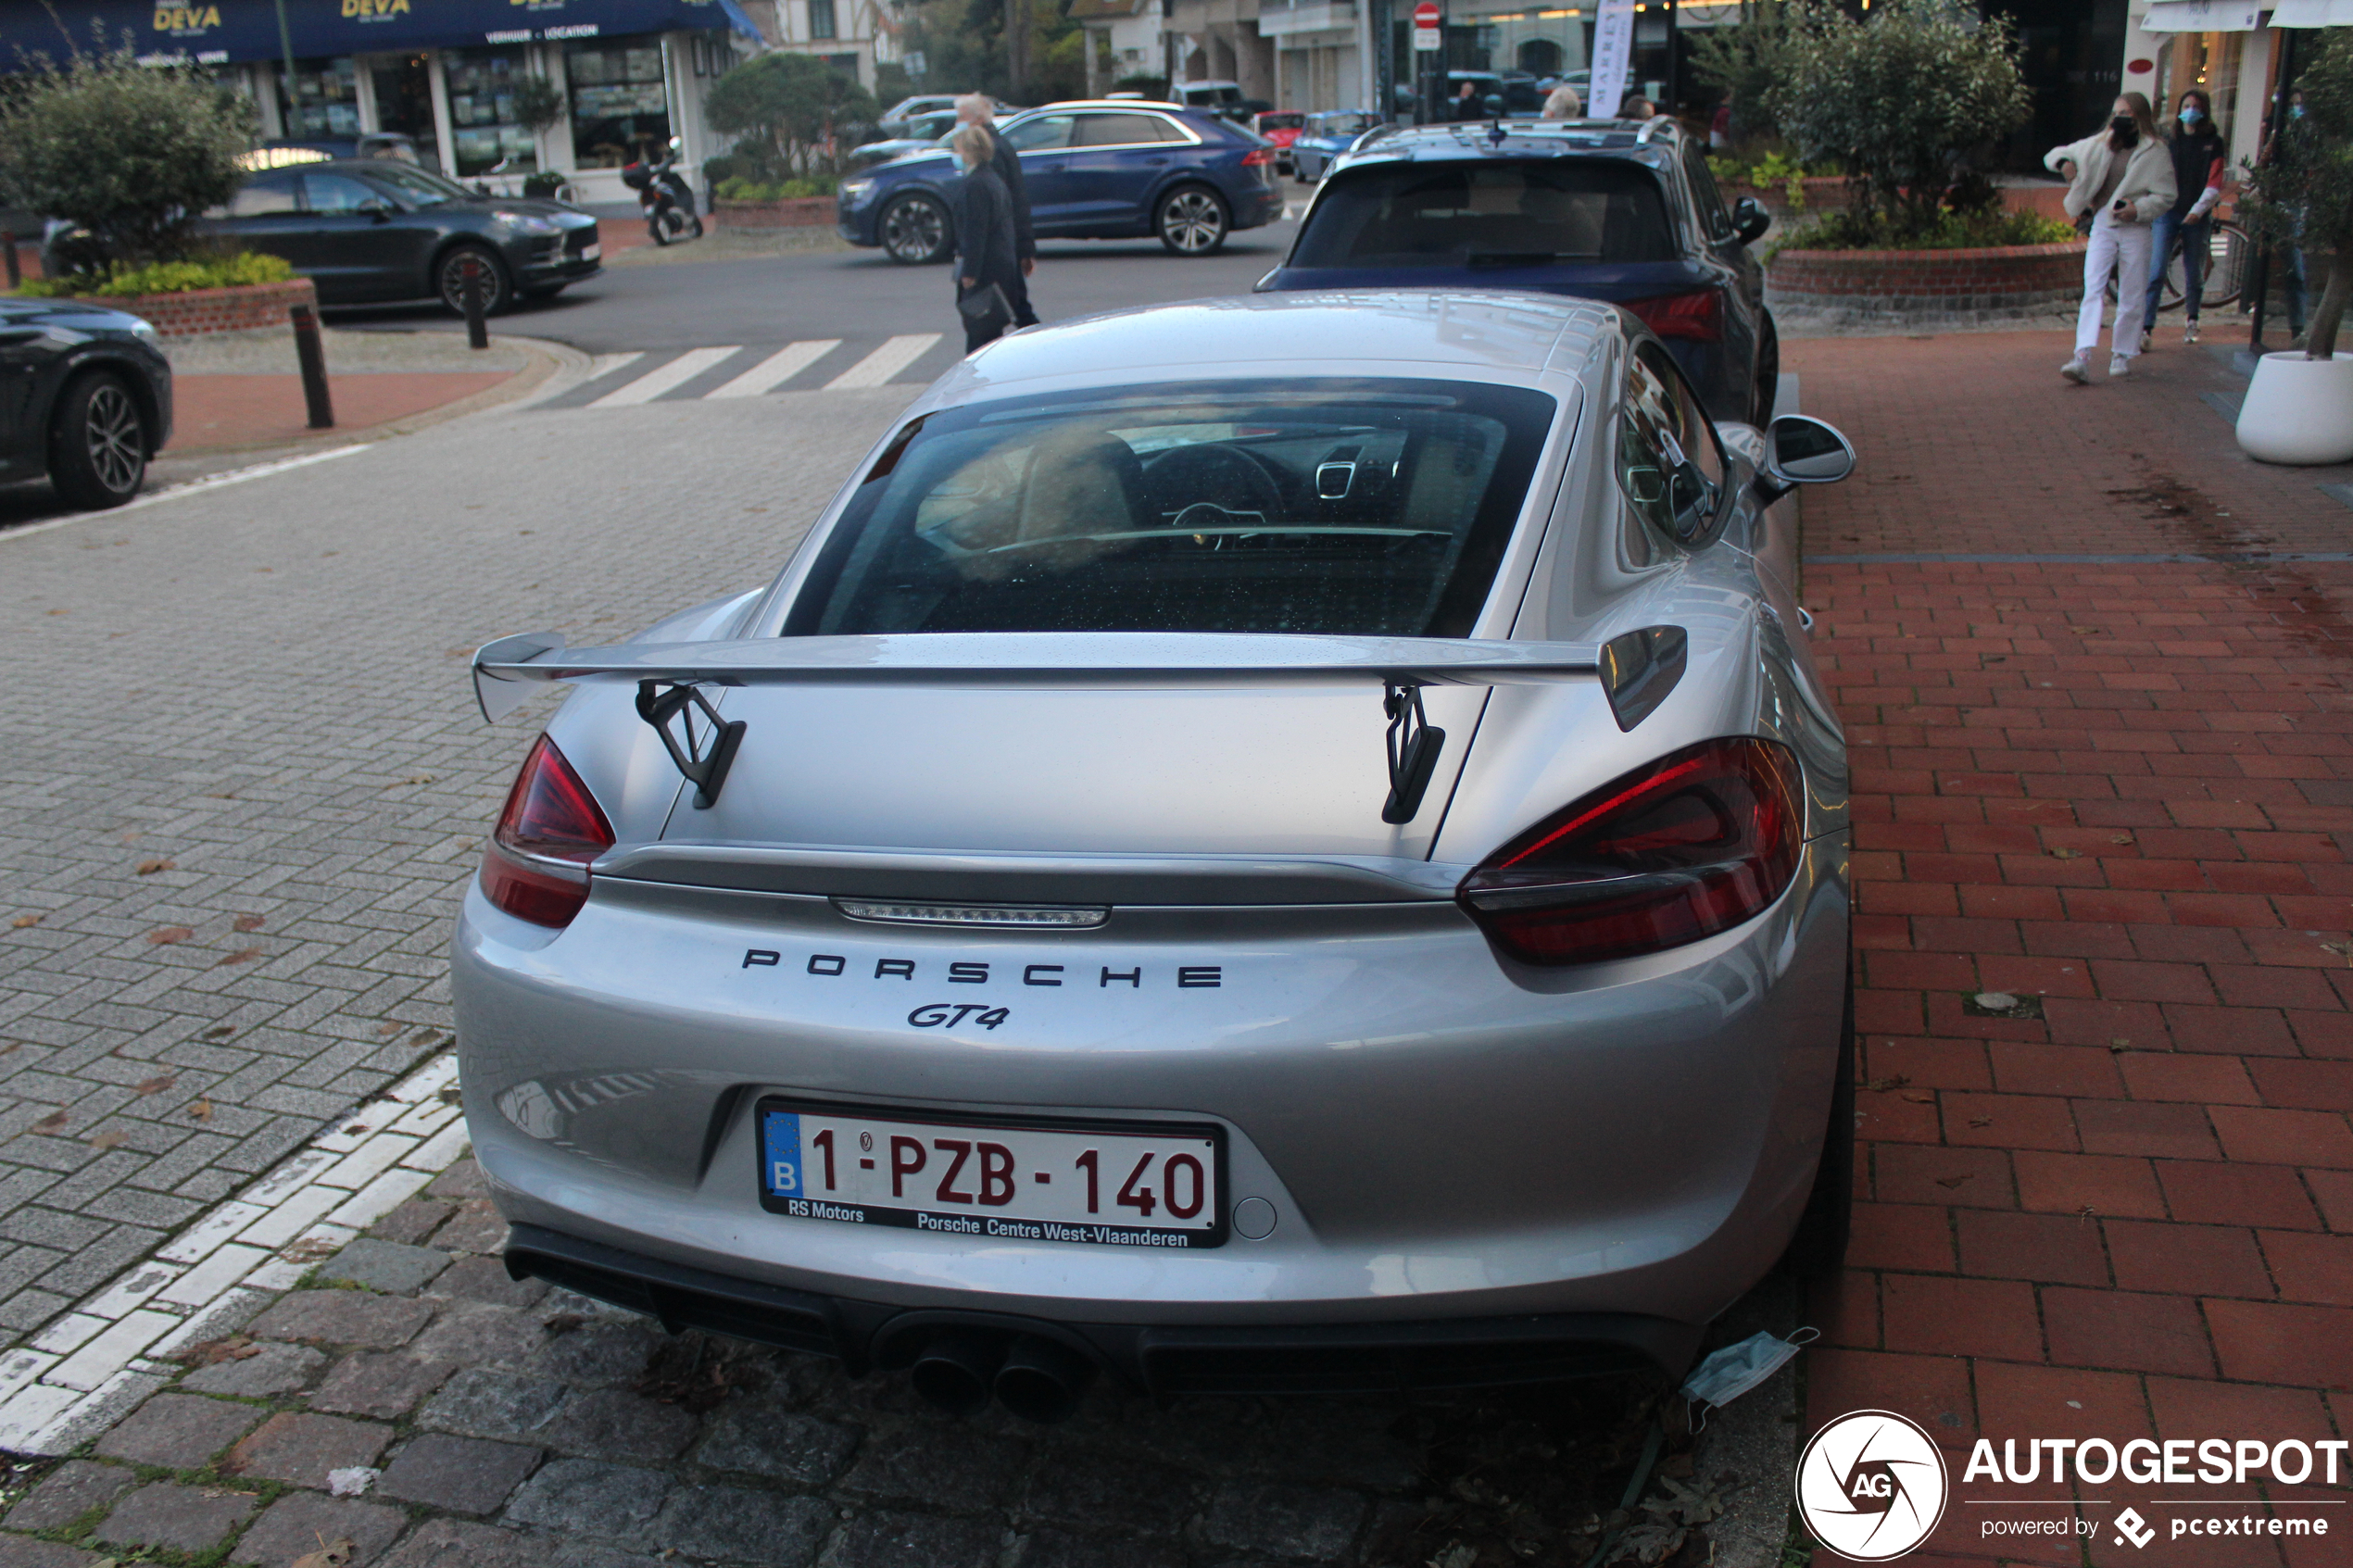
<point>1736,1369</point>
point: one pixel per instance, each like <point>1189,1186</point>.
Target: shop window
<point>323,102</point>
<point>481,110</point>
<point>404,103</point>
<point>821,19</point>
<point>620,108</point>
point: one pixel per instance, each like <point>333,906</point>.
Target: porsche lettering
<point>966,971</point>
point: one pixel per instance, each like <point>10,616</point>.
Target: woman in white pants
<point>2122,178</point>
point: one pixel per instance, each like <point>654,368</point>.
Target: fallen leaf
<point>1897,1082</point>
<point>2117,1042</point>
<point>109,1139</point>
<point>564,1322</point>
<point>453,1095</point>
<point>243,955</point>
<point>310,1249</point>
<point>2120,838</point>
<point>149,868</point>
<point>1920,1096</point>
<point>2064,853</point>
<point>165,936</point>
<point>387,1027</point>
<point>24,922</point>
<point>411,778</point>
<point>156,1085</point>
<point>422,1037</point>
<point>222,1033</point>
<point>53,1123</point>
<point>1951,1180</point>
<point>201,1110</point>
<point>245,923</point>
<point>212,1352</point>
<point>1981,1120</point>
<point>355,1129</point>
<point>2084,630</point>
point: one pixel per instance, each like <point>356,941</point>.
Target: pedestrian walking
<point>2118,180</point>
<point>987,266</point>
<point>1562,103</point>
<point>974,108</point>
<point>2199,163</point>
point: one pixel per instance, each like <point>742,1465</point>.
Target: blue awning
<point>227,31</point>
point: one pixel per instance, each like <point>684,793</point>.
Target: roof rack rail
<point>1650,127</point>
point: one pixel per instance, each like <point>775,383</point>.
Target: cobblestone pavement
<point>2095,670</point>
<point>243,777</point>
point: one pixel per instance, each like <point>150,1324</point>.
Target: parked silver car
<point>1285,843</point>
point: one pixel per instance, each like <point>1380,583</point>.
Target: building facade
<point>632,73</point>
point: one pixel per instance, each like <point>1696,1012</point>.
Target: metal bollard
<point>8,244</point>
<point>314,367</point>
<point>477,329</point>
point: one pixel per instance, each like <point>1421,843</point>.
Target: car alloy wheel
<point>112,435</point>
<point>1192,221</point>
<point>914,231</point>
<point>97,441</point>
<point>496,293</point>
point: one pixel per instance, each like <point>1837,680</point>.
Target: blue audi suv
<point>1114,169</point>
<point>1601,209</point>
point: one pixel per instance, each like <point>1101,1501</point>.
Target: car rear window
<point>1469,214</point>
<point>1367,508</point>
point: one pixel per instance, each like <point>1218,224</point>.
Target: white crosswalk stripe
<point>777,369</point>
<point>893,357</point>
<point>661,379</point>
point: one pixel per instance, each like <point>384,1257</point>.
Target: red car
<point>1282,128</point>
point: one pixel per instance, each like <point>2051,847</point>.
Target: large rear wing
<point>1637,669</point>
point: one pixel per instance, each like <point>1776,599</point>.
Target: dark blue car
<point>1327,136</point>
<point>1601,209</point>
<point>1106,170</point>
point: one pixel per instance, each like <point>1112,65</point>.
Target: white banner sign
<point>1613,58</point>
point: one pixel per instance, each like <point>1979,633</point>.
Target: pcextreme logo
<point>1871,1486</point>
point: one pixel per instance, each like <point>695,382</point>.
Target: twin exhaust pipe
<point>961,1370</point>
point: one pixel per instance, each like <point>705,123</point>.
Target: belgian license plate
<point>1101,1183</point>
<point>592,252</point>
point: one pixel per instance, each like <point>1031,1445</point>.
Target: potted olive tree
<point>2300,405</point>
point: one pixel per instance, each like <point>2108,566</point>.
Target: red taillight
<point>535,866</point>
<point>1692,844</point>
<point>1697,315</point>
<point>1258,156</point>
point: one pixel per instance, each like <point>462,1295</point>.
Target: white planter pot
<point>2298,410</point>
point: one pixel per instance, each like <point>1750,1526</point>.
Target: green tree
<point>794,112</point>
<point>1746,60</point>
<point>1906,99</point>
<point>133,154</point>
<point>965,49</point>
<point>2302,193</point>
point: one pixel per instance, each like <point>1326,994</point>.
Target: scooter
<point>664,197</point>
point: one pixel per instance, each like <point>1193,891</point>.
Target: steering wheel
<point>1184,476</point>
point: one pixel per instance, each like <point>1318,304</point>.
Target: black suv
<point>1602,209</point>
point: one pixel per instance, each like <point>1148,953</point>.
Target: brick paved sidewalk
<point>2118,790</point>
<point>215,413</point>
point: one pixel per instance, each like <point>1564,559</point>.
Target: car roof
<point>1273,334</point>
<point>1646,141</point>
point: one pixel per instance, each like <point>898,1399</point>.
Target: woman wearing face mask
<point>2122,178</point>
<point>2199,163</point>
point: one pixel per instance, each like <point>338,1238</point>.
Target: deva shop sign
<point>186,21</point>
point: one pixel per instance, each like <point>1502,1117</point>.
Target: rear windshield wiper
<point>1516,258</point>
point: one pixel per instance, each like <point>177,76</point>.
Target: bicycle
<point>2228,253</point>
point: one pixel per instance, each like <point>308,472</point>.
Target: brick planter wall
<point>799,212</point>
<point>197,311</point>
<point>1897,284</point>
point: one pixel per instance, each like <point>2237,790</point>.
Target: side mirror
<point>1799,450</point>
<point>1750,219</point>
<point>379,210</point>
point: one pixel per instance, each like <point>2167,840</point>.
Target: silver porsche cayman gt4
<point>1287,842</point>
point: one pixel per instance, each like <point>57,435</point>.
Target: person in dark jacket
<point>2199,163</point>
<point>984,252</point>
<point>975,109</point>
